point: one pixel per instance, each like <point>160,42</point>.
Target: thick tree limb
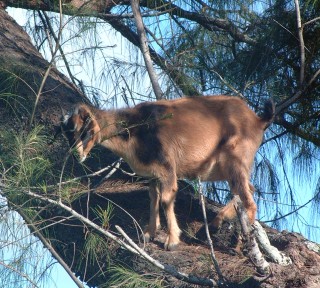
<point>210,23</point>
<point>93,7</point>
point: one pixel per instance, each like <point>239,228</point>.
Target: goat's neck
<point>107,123</point>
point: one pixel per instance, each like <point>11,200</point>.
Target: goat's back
<point>197,136</point>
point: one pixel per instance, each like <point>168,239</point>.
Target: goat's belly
<point>209,171</point>
<point>214,174</point>
<point>141,170</point>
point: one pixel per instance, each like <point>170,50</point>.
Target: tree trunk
<point>21,72</point>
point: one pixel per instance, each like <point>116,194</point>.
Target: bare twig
<point>94,174</point>
<point>311,21</point>
<point>225,82</point>
<point>213,256</point>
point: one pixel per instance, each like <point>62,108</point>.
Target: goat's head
<point>81,129</point>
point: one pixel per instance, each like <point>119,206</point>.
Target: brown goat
<point>211,138</point>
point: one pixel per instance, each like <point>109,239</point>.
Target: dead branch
<point>272,252</point>
<point>252,247</point>
<point>213,257</point>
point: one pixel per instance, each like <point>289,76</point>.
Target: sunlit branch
<point>170,269</point>
<point>254,252</point>
<point>144,46</point>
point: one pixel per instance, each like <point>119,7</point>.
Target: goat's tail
<point>268,113</point>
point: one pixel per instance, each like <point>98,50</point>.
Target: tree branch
<point>272,252</point>
<point>254,252</point>
<point>204,20</point>
<point>181,80</point>
<point>301,42</point>
<point>132,247</point>
<point>295,130</point>
<point>213,257</point>
<point>144,47</point>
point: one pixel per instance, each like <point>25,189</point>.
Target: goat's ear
<point>65,115</point>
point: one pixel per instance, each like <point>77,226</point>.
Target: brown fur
<point>211,138</point>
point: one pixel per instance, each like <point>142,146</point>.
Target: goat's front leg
<point>154,220</point>
<point>168,196</point>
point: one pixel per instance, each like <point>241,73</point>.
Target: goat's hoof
<point>216,223</point>
<point>147,237</point>
<point>171,246</point>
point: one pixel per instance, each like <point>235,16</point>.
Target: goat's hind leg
<point>228,212</point>
<point>246,196</point>
<point>241,186</point>
<point>154,220</point>
<point>169,189</point>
